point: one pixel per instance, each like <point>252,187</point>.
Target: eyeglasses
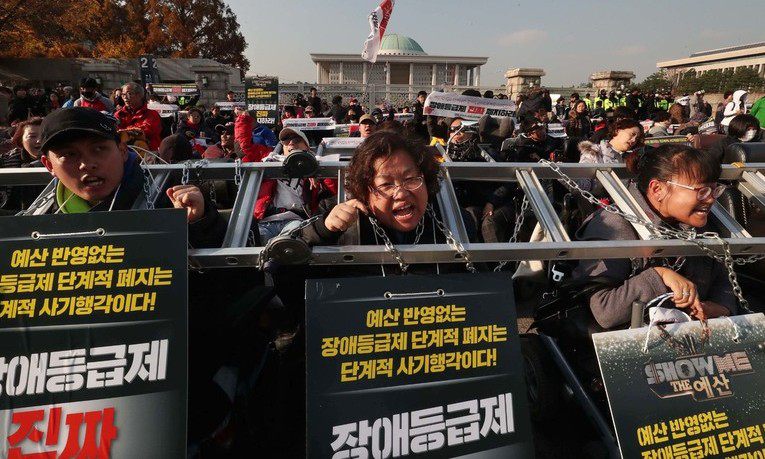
<point>290,139</point>
<point>703,192</point>
<point>389,190</point>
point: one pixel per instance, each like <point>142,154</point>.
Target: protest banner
<point>310,124</point>
<point>164,110</point>
<point>227,106</point>
<point>679,391</point>
<point>175,90</point>
<point>453,105</point>
<point>409,365</point>
<point>93,335</point>
<point>341,142</point>
<point>673,139</point>
<point>262,97</point>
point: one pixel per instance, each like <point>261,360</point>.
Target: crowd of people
<point>95,145</point>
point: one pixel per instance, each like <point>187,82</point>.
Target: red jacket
<point>145,119</point>
<point>256,153</point>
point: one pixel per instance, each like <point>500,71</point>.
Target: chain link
<point>518,224</point>
<point>238,172</point>
<point>148,182</point>
<point>663,232</point>
<point>451,240</point>
<point>185,173</point>
<point>389,246</point>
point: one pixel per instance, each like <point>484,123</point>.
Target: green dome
<point>399,45</point>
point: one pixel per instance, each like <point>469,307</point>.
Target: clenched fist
<point>343,215</point>
<point>188,197</point>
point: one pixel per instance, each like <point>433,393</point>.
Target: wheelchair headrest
<point>749,152</point>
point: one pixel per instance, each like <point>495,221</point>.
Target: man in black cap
<point>91,98</point>
<point>93,172</point>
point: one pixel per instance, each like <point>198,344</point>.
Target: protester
<point>624,137</point>
<point>679,118</point>
<point>533,144</point>
<point>117,98</point>
<point>91,98</point>
<point>720,110</point>
<point>226,147</point>
<point>315,102</point>
<point>338,111</point>
<point>578,125</point>
<point>392,181</point>
<point>367,126</point>
<point>193,125</point>
<point>742,128</point>
<point>601,131</point>
<point>661,122</point>
<point>136,116</point>
<point>308,112</point>
<point>281,201</point>
<point>26,153</point>
<point>54,103</point>
<point>212,119</point>
<point>676,186</point>
<point>700,109</point>
<point>93,172</point>
<point>22,106</point>
<point>354,111</point>
<point>736,106</point>
<point>481,200</point>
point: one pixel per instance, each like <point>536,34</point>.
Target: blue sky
<point>569,39</point>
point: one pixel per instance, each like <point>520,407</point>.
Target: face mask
<point>87,94</point>
<point>748,136</point>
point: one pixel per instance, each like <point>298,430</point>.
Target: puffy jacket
<point>601,153</point>
<point>145,119</point>
<point>732,108</point>
<point>264,136</point>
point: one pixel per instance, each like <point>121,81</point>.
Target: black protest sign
<point>678,393</point>
<point>93,334</point>
<point>147,65</point>
<point>414,365</point>
<point>261,94</point>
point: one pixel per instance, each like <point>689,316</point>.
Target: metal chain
<point>451,240</point>
<point>388,244</point>
<point>185,173</point>
<point>668,233</point>
<point>148,182</point>
<point>238,172</point>
<point>518,224</point>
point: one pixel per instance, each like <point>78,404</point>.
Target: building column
<point>456,74</point>
<point>342,79</point>
<point>434,76</point>
<point>365,73</point>
<point>387,72</point>
<point>477,71</point>
<point>318,73</point>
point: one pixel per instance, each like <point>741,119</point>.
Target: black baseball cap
<point>71,123</point>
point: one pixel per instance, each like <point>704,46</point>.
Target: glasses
<point>389,190</point>
<point>703,192</point>
<point>291,139</point>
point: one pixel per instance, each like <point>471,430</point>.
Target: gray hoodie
<point>613,307</point>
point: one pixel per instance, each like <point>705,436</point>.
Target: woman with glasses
<point>391,183</point>
<point>676,187</point>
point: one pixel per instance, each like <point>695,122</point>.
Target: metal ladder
<point>234,252</point>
